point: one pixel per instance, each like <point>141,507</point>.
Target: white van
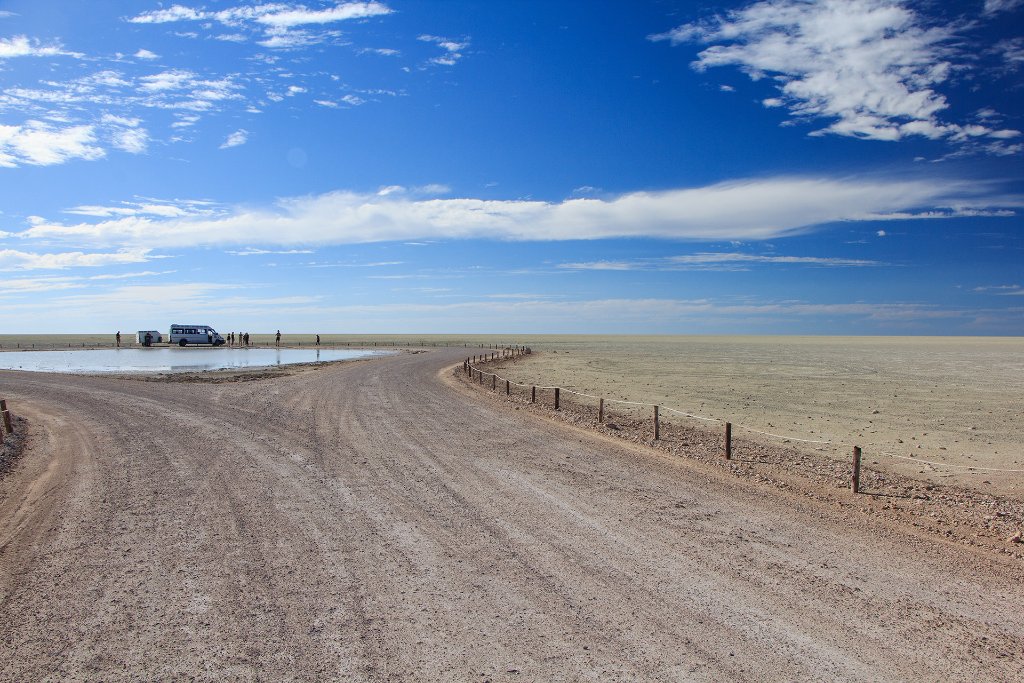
<point>195,334</point>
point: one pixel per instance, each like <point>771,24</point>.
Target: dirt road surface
<point>370,521</point>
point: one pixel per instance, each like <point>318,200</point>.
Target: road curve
<point>368,521</point>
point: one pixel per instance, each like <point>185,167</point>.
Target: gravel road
<point>372,521</point>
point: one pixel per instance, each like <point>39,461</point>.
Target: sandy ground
<point>949,400</point>
<point>375,521</point>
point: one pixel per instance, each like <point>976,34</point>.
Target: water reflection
<point>171,359</point>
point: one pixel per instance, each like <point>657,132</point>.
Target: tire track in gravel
<point>367,521</point>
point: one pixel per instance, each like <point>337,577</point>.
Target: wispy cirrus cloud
<point>50,283</point>
<point>272,25</point>
<point>727,261</point>
<point>453,49</point>
<point>382,51</point>
<point>23,46</point>
<point>126,134</point>
<point>609,265</point>
<point>957,212</point>
<point>11,259</point>
<point>69,107</point>
<point>271,14</point>
<point>252,251</point>
<point>996,6</point>
<point>733,257</point>
<point>172,89</point>
<point>744,210</point>
<point>1002,290</point>
<point>239,137</point>
<point>1012,51</point>
<point>872,67</point>
<point>130,276</point>
<point>17,286</point>
<point>161,208</point>
<point>89,116</point>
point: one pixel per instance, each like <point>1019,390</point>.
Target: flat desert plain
<point>383,520</point>
<point>950,400</point>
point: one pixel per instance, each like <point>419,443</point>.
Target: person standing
<point>117,338</point>
<point>318,340</point>
<point>277,339</point>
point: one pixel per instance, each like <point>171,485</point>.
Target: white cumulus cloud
<point>871,67</point>
<point>39,144</point>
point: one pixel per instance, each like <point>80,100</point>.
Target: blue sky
<point>781,167</point>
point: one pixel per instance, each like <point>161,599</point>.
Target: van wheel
<point>181,343</point>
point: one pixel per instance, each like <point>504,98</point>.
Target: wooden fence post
<point>7,422</point>
<point>855,480</point>
<point>728,440</point>
<point>600,412</point>
<point>508,388</point>
<point>494,382</point>
<point>657,424</point>
<point>481,375</point>
<point>533,394</point>
<point>557,391</point>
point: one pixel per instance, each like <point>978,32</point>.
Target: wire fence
<point>641,412</point>
<point>8,426</point>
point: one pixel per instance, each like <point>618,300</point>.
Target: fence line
<point>131,344</point>
<point>8,425</point>
<point>946,464</point>
<point>469,366</point>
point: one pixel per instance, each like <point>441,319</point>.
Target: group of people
<point>243,338</point>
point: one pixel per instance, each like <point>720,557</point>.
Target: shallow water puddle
<point>172,359</point>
